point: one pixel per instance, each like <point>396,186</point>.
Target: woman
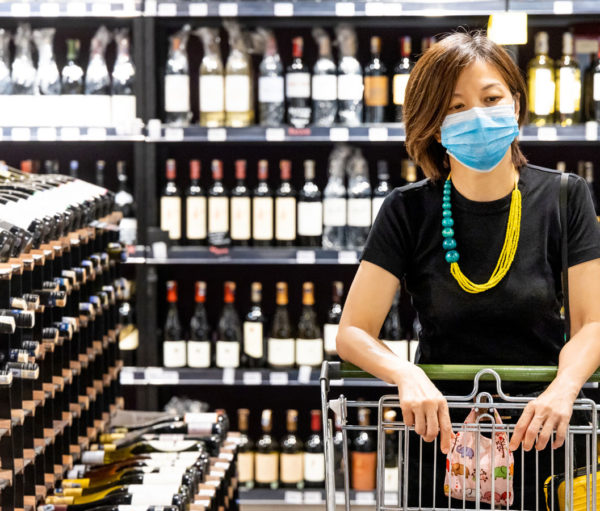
<point>465,100</point>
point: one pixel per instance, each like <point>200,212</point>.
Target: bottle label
<point>262,218</point>
<point>359,212</point>
<point>174,353</point>
<point>270,89</point>
<point>363,470</point>
<point>324,87</point>
<point>376,90</point>
<point>350,87</point>
<point>291,468</point>
<point>174,476</point>
<point>399,86</point>
<point>171,446</point>
<point>218,214</point>
<point>569,90</point>
<point>334,212</point>
<point>314,467</point>
<point>200,428</point>
<point>310,218</point>
<point>159,498</point>
<point>412,351</point>
<point>245,467</point>
<point>92,458</point>
<point>177,93</point>
<point>329,334</point>
<point>209,417</point>
<point>297,85</point>
<point>240,218</point>
<point>391,479</point>
<point>228,354</point>
<point>198,354</point>
<point>195,208</point>
<point>543,92</point>
<point>377,202</point>
<point>597,87</point>
<point>211,93</point>
<point>285,218</point>
<point>399,348</point>
<point>237,93</point>
<point>266,467</point>
<point>281,352</point>
<point>253,339</point>
<point>309,352</point>
<point>170,216</point>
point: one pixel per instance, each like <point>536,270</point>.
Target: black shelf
<point>66,134</point>
<point>70,8</point>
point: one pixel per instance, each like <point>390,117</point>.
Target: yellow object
<point>507,255</point>
<point>580,491</point>
<point>508,28</point>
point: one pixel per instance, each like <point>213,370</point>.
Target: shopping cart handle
<point>452,372</point>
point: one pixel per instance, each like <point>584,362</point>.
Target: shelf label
<point>167,9</point>
<point>347,257</point>
<point>275,134</point>
<point>50,9</point>
<point>292,497</point>
<point>252,378</point>
<point>150,8</point>
<point>228,9</point>
<point>20,134</point>
<point>126,378</point>
<point>154,128</point>
<point>96,133</point>
<point>383,9</point>
<point>20,9</point>
<point>159,250</point>
<point>344,9</point>
<point>547,133</point>
<point>378,134</point>
<point>563,7</point>
<point>100,9</point>
<point>174,134</point>
<point>46,134</point>
<point>158,376</point>
<point>70,134</point>
<point>228,376</point>
<point>365,498</point>
<point>339,134</point>
<point>216,134</point>
<point>591,130</point>
<point>313,497</point>
<point>76,9</point>
<point>340,498</point>
<point>199,9</point>
<point>304,374</point>
<point>278,378</point>
<point>283,9</point>
<point>306,257</point>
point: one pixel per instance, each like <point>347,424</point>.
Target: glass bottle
<point>195,208</point>
<point>324,82</point>
<point>391,454</point>
<point>335,200</point>
<point>48,77</point>
<point>359,202</point>
<point>212,80</point>
<point>72,73</point>
<point>218,208</point>
<point>262,208</point>
<point>540,75</point>
<point>376,85</point>
<point>291,458</point>
<point>310,209</point>
<point>285,207</point>
<point>266,467</point>
<point>297,87</point>
<point>338,453</point>
<point>199,345</point>
<point>392,334</point>
<point>281,350</point>
<point>97,78</point>
<point>334,314</point>
<point>177,80</point>
<point>5,79</point>
<point>314,453</point>
<point>123,75</point>
<point>309,344</point>
<point>174,349</point>
<point>401,75</point>
<point>170,203</point>
<point>23,70</point>
<point>241,206</point>
<point>271,105</point>
<point>363,455</point>
<point>595,95</point>
<point>382,190</point>
<point>125,202</point>
<point>229,331</point>
<point>100,167</point>
<point>254,353</point>
<point>588,174</point>
<point>568,85</point>
<point>239,110</point>
<point>245,455</point>
<point>350,78</point>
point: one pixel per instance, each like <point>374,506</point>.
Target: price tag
<point>154,128</point>
<point>339,134</point>
<point>150,8</point>
<point>128,7</point>
<point>591,130</point>
<point>275,134</point>
<point>198,9</point>
<point>20,9</point>
<point>228,9</point>
<point>292,497</point>
<point>152,374</point>
<point>304,374</point>
<point>563,7</point>
<point>46,134</point>
<point>278,378</point>
<point>305,257</point>
<point>283,9</point>
<point>347,257</point>
<point>96,133</point>
<point>383,9</point>
<point>229,376</point>
<point>378,134</point>
<point>174,134</point>
<point>100,9</point>
<point>70,134</point>
<point>158,376</point>
<point>216,134</point>
<point>167,9</point>
<point>340,498</point>
<point>344,9</point>
<point>313,497</point>
<point>76,9</point>
<point>547,133</point>
<point>20,134</point>
<point>126,378</point>
<point>365,498</point>
<point>50,9</point>
<point>390,499</point>
<point>159,250</point>
<point>252,378</point>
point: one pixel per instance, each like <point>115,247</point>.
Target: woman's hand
<point>550,411</point>
<point>423,405</point>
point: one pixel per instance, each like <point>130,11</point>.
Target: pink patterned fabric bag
<point>461,466</point>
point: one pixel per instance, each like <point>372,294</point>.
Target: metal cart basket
<point>569,481</point>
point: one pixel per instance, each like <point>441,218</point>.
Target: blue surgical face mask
<point>479,138</point>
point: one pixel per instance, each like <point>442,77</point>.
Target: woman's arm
<point>578,360</point>
<point>366,307</point>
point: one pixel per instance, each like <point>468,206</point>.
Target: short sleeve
<point>388,244</point>
<point>583,227</point>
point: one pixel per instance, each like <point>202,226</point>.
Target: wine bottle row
<point>60,290</point>
<point>346,93</point>
<point>339,216</point>
<point>255,342</point>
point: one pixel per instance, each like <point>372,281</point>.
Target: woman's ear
<point>438,136</point>
<point>517,105</point>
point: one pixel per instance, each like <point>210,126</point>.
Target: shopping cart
<point>412,488</point>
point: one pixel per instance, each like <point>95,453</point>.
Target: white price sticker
<point>304,373</point>
<point>126,378</point>
<point>383,9</point>
<point>150,8</point>
<point>158,376</point>
<point>313,497</point>
<point>365,498</point>
<point>563,7</point>
<point>344,9</point>
<point>591,130</point>
<point>228,9</point>
<point>216,134</point>
<point>283,9</point>
<point>46,134</point>
<point>347,257</point>
<point>339,134</point>
<point>228,376</point>
<point>292,497</point>
<point>50,9</point>
<point>167,9</point>
<point>70,134</point>
<point>547,133</point>
<point>278,378</point>
<point>101,9</point>
<point>306,257</point>
<point>20,134</point>
<point>340,498</point>
<point>275,134</point>
<point>96,133</point>
<point>76,9</point>
<point>199,9</point>
<point>20,9</point>
<point>378,134</point>
<point>174,134</point>
<point>252,378</point>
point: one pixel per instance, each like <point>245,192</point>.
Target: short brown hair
<point>430,88</point>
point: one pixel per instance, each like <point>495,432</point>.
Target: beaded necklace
<point>509,249</point>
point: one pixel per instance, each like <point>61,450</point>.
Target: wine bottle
<point>199,345</point>
<point>123,75</point>
<point>309,344</point>
<point>314,453</point>
<point>72,73</point>
<point>391,454</point>
<point>195,208</point>
<point>310,209</point>
<point>401,75</point>
<point>100,167</point>
<point>338,453</point>
<point>363,455</point>
<point>174,348</point>
<point>392,334</point>
<point>241,219</point>
<point>245,458</point>
<point>97,78</point>
<point>291,458</point>
<point>285,207</point>
<point>568,85</point>
<point>271,105</point>
<point>218,208</point>
<point>540,74</point>
<point>239,111</point>
<point>595,94</point>
<point>335,201</point>
<point>23,70</point>
<point>255,351</point>
<point>281,350</point>
<point>324,82</point>
<point>229,331</point>
<point>74,169</point>
<point>262,208</point>
<point>350,78</point>
<point>266,468</point>
<point>359,202</point>
<point>177,80</point>
<point>297,87</point>
<point>170,204</point>
<point>409,171</point>
<point>212,80</point>
<point>376,85</point>
<point>334,314</point>
<point>125,203</point>
<point>5,80</point>
<point>48,77</point>
<point>142,496</point>
<point>382,190</point>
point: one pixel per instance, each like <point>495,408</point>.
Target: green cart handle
<point>537,374</point>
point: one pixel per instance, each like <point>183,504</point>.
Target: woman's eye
<point>456,107</point>
<point>492,99</point>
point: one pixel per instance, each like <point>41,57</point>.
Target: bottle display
<point>291,457</point>
<point>123,74</point>
<point>199,352</point>
<point>266,458</point>
<point>125,203</point>
<point>72,74</point>
<point>350,84</point>
<point>568,85</point>
<point>229,331</point>
<point>195,208</point>
<point>245,451</point>
<point>314,456</point>
<point>23,71</point>
<point>170,204</point>
<point>363,454</point>
<point>97,78</point>
<point>359,201</point>
<point>401,76</point>
<point>309,344</point>
<point>239,111</point>
<point>335,200</point>
<point>324,82</point>
<point>541,82</point>
<point>254,353</point>
<point>212,80</point>
<point>281,345</point>
<point>177,80</point>
<point>382,190</point>
<point>376,85</point>
<point>334,314</point>
<point>174,345</point>
<point>262,208</point>
<point>285,207</point>
<point>48,77</point>
<point>218,208</point>
<point>310,209</point>
<point>241,206</point>
<point>271,100</point>
<point>297,88</point>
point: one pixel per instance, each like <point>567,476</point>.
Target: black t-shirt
<point>518,321</point>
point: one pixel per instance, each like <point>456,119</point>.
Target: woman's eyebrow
<point>493,84</point>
